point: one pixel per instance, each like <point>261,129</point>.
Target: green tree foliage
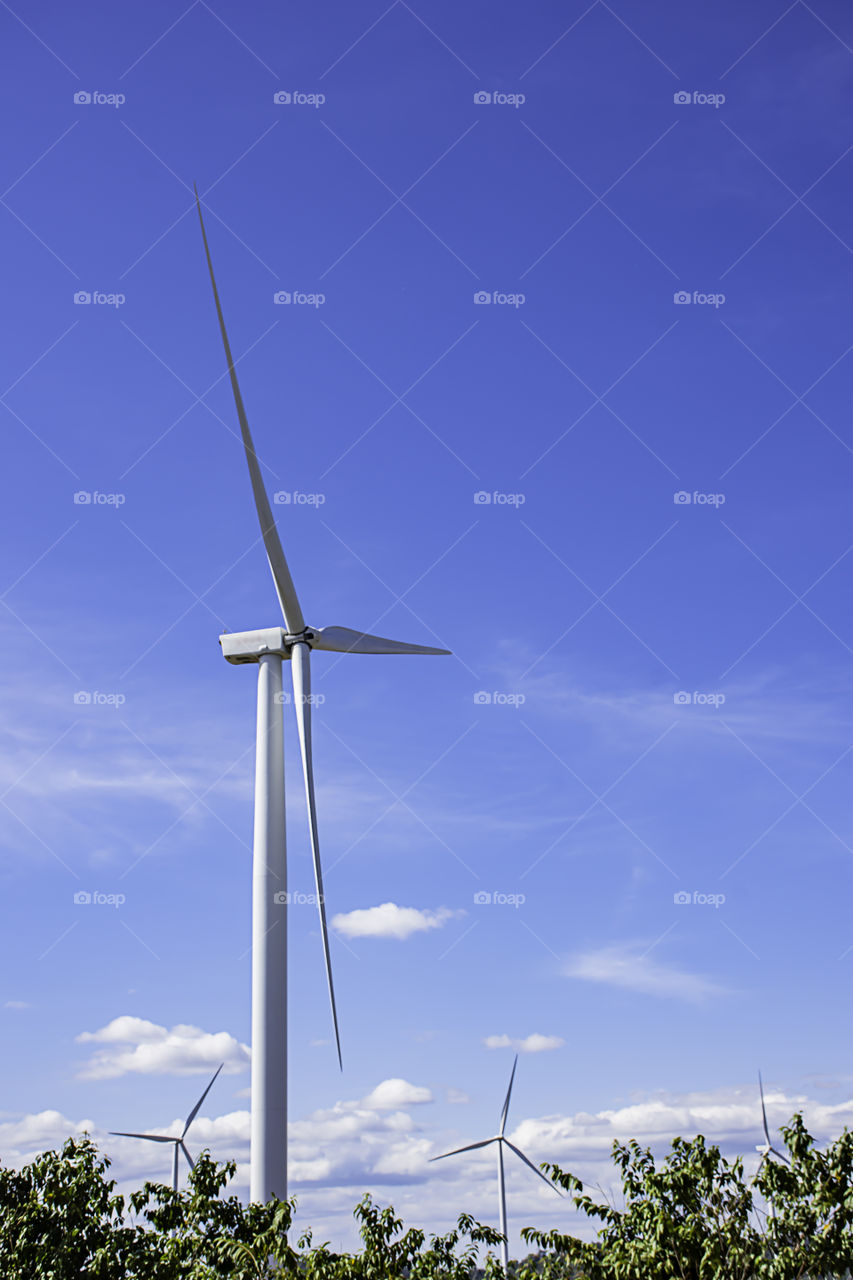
<point>690,1217</point>
<point>391,1254</point>
<point>695,1218</point>
<point>61,1219</point>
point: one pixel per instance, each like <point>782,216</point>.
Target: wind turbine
<point>268,648</point>
<point>767,1149</point>
<point>178,1143</point>
<point>500,1139</point>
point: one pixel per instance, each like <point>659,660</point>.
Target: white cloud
<point>337,1153</point>
<point>534,1043</point>
<point>730,1117</point>
<point>394,1093</point>
<point>390,921</point>
<point>778,703</point>
<point>134,1045</point>
<point>38,1132</point>
<point>625,965</point>
<point>16,1004</point>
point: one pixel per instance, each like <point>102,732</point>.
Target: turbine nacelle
<point>251,646</point>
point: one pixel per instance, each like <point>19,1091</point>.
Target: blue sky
<point>668,514</point>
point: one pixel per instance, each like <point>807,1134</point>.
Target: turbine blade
<point>458,1151</point>
<point>192,1115</point>
<point>300,664</point>
<point>345,640</point>
<point>149,1137</point>
<point>532,1166</point>
<point>763,1109</point>
<point>508,1092</point>
<point>285,589</point>
<point>784,1159</point>
<point>187,1154</point>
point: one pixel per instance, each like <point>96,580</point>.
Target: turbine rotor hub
<point>305,636</point>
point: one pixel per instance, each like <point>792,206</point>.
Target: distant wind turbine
<point>268,648</point>
<point>501,1140</point>
<point>178,1143</point>
<point>767,1149</point>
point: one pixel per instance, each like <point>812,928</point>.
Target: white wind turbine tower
<point>178,1143</point>
<point>268,648</point>
<point>500,1139</point>
<point>767,1149</point>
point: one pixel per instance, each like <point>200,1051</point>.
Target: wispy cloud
<point>534,1043</point>
<point>782,704</point>
<point>626,965</point>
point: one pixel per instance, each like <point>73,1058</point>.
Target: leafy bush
<point>694,1217</point>
<point>691,1217</point>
